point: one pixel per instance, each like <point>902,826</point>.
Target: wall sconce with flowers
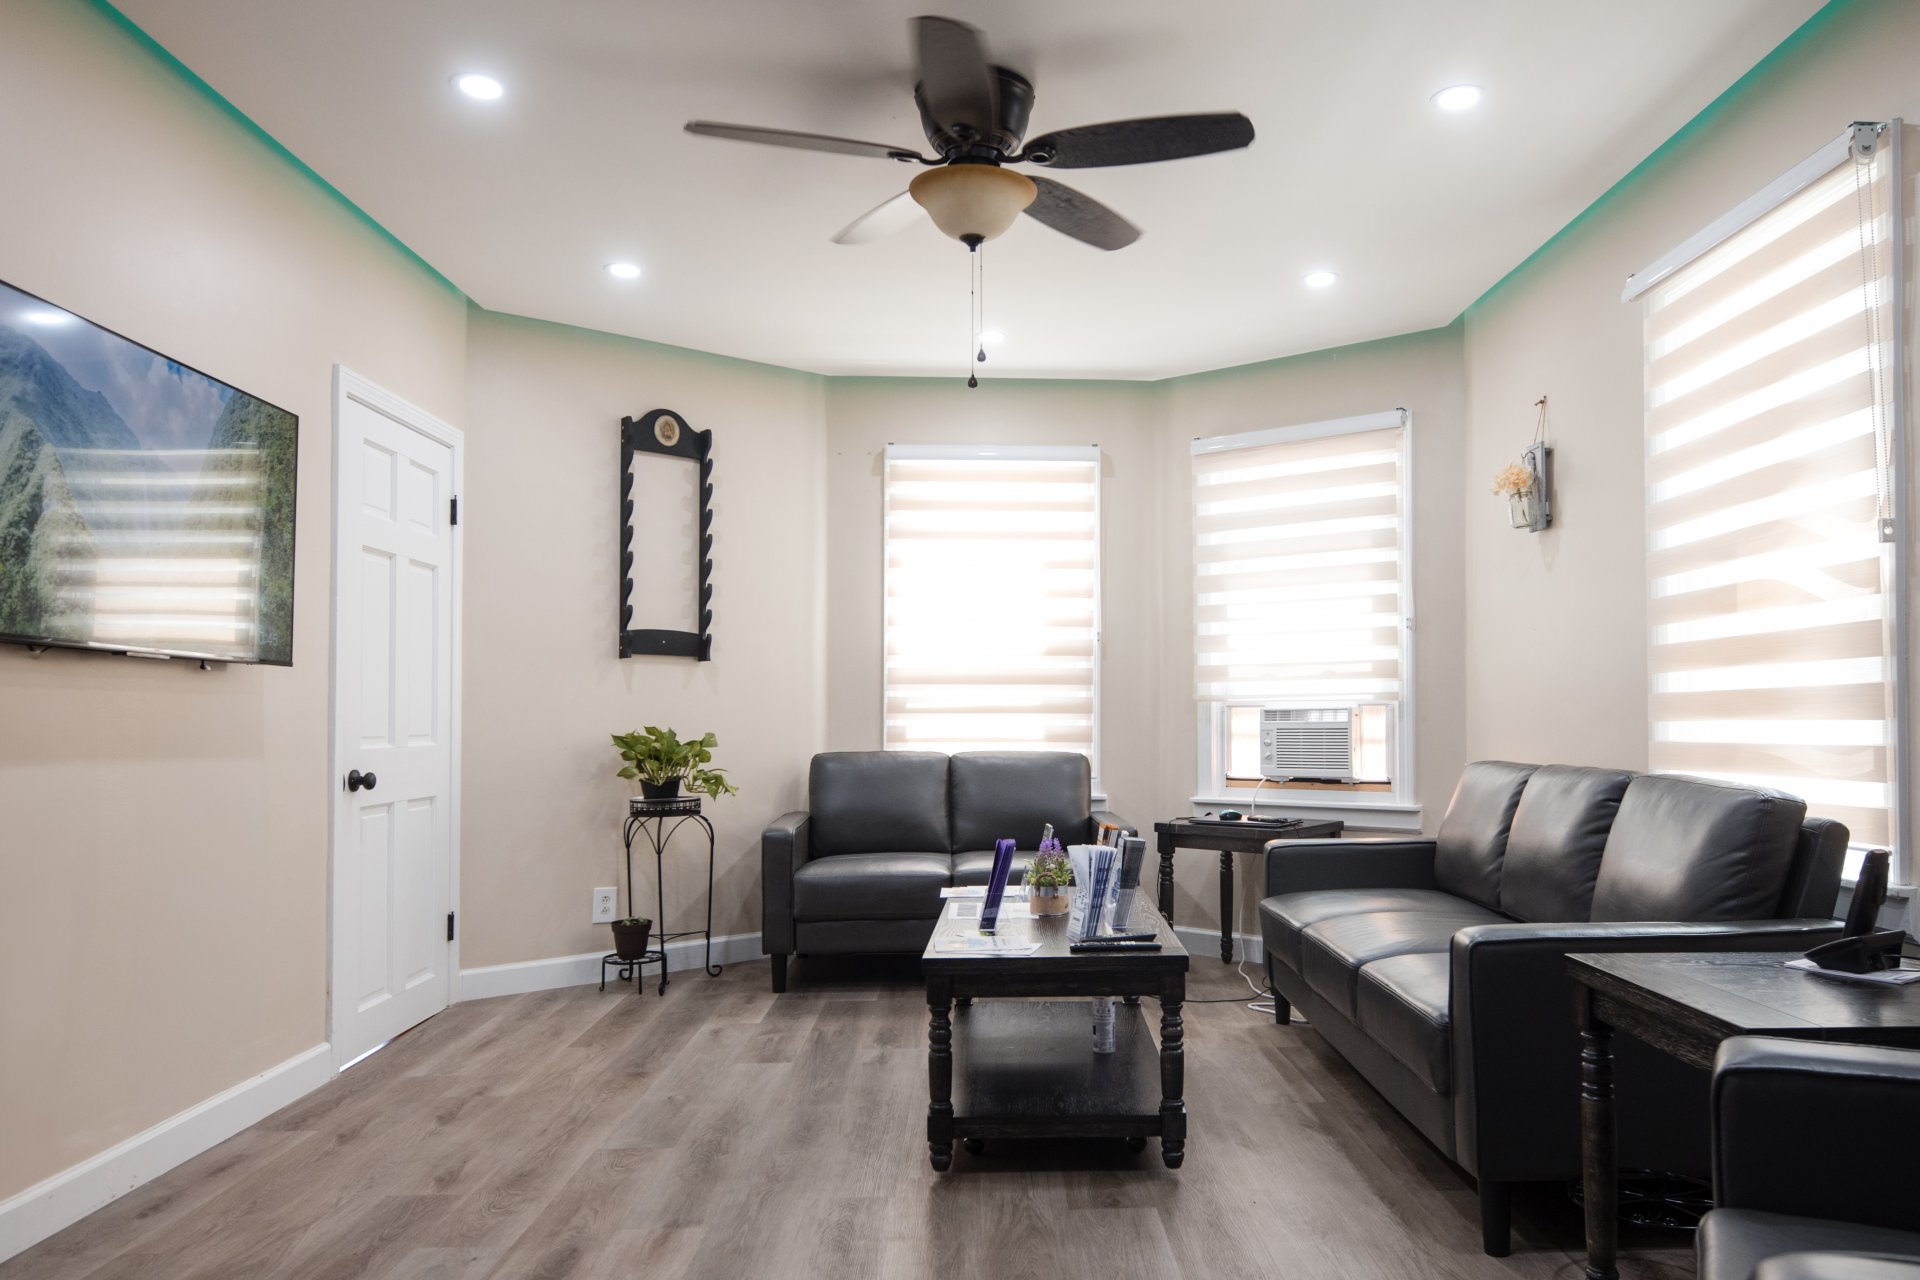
<point>1527,485</point>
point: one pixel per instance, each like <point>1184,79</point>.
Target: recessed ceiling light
<point>1318,279</point>
<point>46,316</point>
<point>991,337</point>
<point>1459,97</point>
<point>623,270</point>
<point>475,85</point>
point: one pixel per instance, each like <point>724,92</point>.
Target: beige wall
<point>1420,372</point>
<point>544,687</point>
<point>1556,622</point>
<point>163,851</point>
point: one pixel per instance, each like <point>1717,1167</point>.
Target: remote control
<point>1148,936</point>
<point>1113,946</point>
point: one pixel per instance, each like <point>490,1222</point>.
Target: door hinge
<point>453,509</point>
<point>449,926</point>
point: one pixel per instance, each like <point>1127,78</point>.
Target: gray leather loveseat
<point>861,869</point>
<point>1437,966</point>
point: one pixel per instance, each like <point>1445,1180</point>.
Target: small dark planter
<point>668,790</point>
<point>630,938</point>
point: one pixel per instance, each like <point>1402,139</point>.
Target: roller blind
<point>1771,655</point>
<point>1300,563</point>
<point>992,599</point>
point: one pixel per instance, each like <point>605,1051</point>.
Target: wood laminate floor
<point>726,1132</point>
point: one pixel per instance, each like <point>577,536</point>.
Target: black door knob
<point>357,780</point>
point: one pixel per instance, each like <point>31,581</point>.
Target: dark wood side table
<point>1228,838</point>
<point>1685,1004</point>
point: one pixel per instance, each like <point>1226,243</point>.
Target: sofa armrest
<point>783,848</point>
<point>1515,1048</point>
<point>1115,820</point>
<point>1816,1129</point>
<point>1296,865</point>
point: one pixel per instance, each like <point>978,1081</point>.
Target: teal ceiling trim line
<point>252,129</point>
<point>1326,355</point>
<point>1708,116</point>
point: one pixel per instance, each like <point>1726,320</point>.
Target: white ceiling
<point>522,201</point>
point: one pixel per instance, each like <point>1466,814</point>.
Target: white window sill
<point>1384,814</point>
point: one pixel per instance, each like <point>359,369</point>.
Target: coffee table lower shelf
<point>1027,1069</point>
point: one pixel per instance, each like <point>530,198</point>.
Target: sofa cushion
<point>1732,1242</point>
<point>1283,916</point>
<point>1402,1002</point>
<point>1473,834</point>
<point>1553,848</point>
<point>999,795</point>
<point>1834,1265</point>
<point>1333,952</point>
<point>976,867</point>
<point>876,801</point>
<point>1697,850</point>
<point>871,886</point>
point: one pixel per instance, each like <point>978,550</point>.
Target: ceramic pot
<point>668,790</point>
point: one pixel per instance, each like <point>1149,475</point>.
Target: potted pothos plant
<point>663,762</point>
<point>1047,880</point>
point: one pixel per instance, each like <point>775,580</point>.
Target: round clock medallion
<point>666,429</point>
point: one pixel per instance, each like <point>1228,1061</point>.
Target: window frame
<point>1012,453</point>
<point>1398,809</point>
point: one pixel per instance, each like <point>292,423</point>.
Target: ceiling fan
<point>975,117</point>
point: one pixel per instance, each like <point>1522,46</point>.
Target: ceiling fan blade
<point>1119,142</point>
<point>955,81</point>
<point>803,141</point>
<point>1079,215</point>
<point>890,217</point>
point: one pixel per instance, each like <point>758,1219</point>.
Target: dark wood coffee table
<point>1228,838</point>
<point>1685,1004</point>
<point>1026,1068</point>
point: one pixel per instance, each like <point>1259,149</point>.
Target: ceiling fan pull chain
<point>973,304</point>
<point>980,329</point>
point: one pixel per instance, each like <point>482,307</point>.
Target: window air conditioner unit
<point>1306,744</point>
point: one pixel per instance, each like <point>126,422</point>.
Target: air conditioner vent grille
<point>1299,743</point>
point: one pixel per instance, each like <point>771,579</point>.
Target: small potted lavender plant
<point>1048,878</point>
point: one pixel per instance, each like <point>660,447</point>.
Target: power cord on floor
<point>1263,996</point>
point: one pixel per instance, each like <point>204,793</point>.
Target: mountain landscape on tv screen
<point>143,505</point>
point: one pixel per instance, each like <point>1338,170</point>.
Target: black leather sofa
<point>861,869</point>
<point>1813,1162</point>
<point>1436,966</point>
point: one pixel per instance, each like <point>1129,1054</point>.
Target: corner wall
<point>1556,622</point>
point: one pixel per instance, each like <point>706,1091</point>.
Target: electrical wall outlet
<point>605,903</point>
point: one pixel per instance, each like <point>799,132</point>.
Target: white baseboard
<point>32,1215</point>
<point>1204,943</point>
<point>683,956</point>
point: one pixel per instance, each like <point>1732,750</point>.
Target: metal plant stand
<point>657,821</point>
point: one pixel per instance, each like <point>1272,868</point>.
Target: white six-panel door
<point>394,583</point>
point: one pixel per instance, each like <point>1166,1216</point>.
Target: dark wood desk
<point>1685,1004</point>
<point>1025,1068</point>
<point>1228,838</point>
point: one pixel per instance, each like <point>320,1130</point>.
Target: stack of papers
<point>973,943</point>
<point>1909,971</point>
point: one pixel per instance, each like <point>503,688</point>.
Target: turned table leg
<point>1597,1159</point>
<point>1166,877</point>
<point>940,1083</point>
<point>1173,1075</point>
<point>1226,906</point>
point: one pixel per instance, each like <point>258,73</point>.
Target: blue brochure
<point>997,884</point>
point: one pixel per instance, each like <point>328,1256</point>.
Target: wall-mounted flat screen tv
<point>144,507</point>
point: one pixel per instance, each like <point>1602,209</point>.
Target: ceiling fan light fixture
<point>972,202</point>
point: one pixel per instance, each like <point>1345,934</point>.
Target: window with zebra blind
<point>992,599</point>
<point>1302,597</point>
<point>1773,474</point>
